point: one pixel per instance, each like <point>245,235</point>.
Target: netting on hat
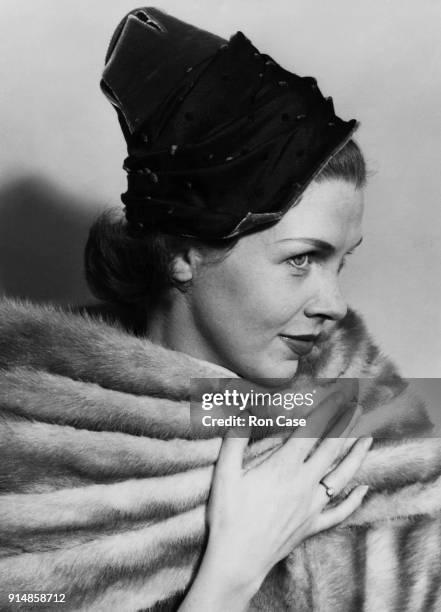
<point>231,146</point>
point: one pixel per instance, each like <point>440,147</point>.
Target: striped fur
<point>103,481</point>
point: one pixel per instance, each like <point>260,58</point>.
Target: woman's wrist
<point>220,585</point>
<point>223,561</point>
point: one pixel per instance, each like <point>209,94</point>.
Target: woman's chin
<point>273,373</point>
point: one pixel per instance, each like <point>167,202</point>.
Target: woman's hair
<point>127,266</point>
<point>347,164</point>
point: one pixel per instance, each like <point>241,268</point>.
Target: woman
<point>244,197</point>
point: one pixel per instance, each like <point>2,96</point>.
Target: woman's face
<point>245,311</point>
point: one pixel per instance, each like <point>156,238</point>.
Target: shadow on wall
<point>43,231</point>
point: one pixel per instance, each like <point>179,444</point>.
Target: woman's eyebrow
<point>321,245</point>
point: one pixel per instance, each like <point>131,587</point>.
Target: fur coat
<point>103,482</point>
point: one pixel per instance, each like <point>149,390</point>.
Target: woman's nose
<point>328,302</point>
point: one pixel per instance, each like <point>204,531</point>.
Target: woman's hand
<point>257,517</point>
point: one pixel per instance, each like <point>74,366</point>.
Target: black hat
<point>220,138</point>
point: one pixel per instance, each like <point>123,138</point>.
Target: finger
<point>350,395</point>
<point>323,418</point>
<point>348,443</point>
<point>337,514</point>
<point>346,421</point>
<point>341,475</point>
<point>329,449</point>
<point>231,453</point>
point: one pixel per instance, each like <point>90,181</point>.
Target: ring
<point>330,491</point>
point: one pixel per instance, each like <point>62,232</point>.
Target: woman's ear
<point>185,264</point>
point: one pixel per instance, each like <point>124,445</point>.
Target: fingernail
<point>354,418</point>
<point>367,442</point>
<point>363,490</point>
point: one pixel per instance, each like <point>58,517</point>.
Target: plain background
<point>61,149</point>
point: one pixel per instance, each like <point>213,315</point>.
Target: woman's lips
<point>300,345</point>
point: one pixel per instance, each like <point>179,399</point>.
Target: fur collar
<point>101,471</point>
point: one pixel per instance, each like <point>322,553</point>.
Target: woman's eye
<point>300,261</point>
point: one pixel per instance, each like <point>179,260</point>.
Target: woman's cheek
<point>281,303</point>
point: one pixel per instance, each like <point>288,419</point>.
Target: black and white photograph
<point>220,322</point>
